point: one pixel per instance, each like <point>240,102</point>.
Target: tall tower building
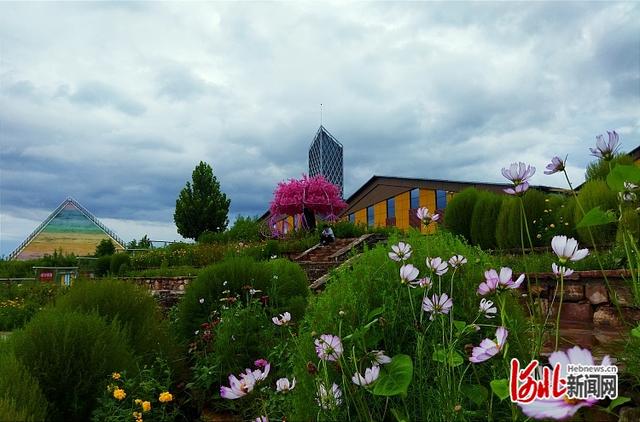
<point>325,158</point>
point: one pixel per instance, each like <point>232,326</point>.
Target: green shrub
<point>119,263</point>
<point>346,229</point>
<point>599,170</point>
<point>483,219</point>
<point>282,281</point>
<point>105,248</point>
<point>20,396</point>
<point>553,222</point>
<point>164,272</point>
<point>510,233</point>
<point>70,354</point>
<point>259,252</point>
<point>457,215</point>
<point>20,301</point>
<point>103,265</point>
<point>508,224</point>
<point>592,194</point>
<point>630,222</point>
<point>208,237</point>
<point>131,306</point>
<point>288,287</point>
<point>296,246</point>
<point>537,209</point>
<point>566,217</point>
<point>246,229</point>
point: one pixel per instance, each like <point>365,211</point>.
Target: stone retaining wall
<point>593,315</point>
<point>587,297</point>
<point>167,290</point>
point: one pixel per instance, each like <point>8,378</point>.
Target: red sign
<point>46,276</point>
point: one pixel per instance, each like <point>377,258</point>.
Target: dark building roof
<point>635,153</point>
<point>379,188</point>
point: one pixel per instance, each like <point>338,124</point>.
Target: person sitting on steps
<point>327,235</point>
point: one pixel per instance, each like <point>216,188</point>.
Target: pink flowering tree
<point>315,193</point>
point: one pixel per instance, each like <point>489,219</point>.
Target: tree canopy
<point>315,193</point>
<point>201,205</point>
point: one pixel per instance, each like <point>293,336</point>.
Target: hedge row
<point>491,220</point>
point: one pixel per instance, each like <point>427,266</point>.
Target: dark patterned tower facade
<point>325,158</point>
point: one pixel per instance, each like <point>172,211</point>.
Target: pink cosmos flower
<point>370,376</point>
<point>284,386</point>
<point>437,305</point>
<point>329,399</point>
<point>284,319</point>
<point>261,363</point>
<point>561,271</point>
<point>328,347</point>
<point>424,282</point>
<point>457,261</point>
<point>238,387</point>
<point>425,216</point>
<point>503,281</point>
<point>557,165</point>
<point>606,149</point>
<point>489,348</point>
<point>563,407</point>
<point>400,252</point>
<point>519,174</point>
<point>567,249</point>
<point>437,265</point>
<point>380,358</point>
<point>258,374</point>
<point>408,273</point>
<point>487,308</point>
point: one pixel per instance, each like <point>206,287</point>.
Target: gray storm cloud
<point>115,103</point>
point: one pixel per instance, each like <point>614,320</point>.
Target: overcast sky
<point>114,104</point>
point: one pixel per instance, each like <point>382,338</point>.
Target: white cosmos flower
<point>284,319</point>
<point>370,376</point>
<point>567,249</point>
<point>380,358</point>
<point>329,399</point>
<point>438,266</point>
<point>400,252</point>
<point>457,261</point>
<point>408,273</point>
<point>561,270</point>
<point>284,386</point>
<point>487,308</point>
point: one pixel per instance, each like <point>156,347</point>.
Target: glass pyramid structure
<point>325,158</point>
<point>70,228</point>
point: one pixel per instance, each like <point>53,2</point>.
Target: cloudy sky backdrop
<point>115,103</point>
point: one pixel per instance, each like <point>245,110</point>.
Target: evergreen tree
<point>105,248</point>
<point>201,205</point>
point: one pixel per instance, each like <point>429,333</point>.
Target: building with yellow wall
<point>392,201</point>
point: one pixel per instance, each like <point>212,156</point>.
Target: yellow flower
<point>137,401</point>
<point>165,397</point>
<point>119,394</point>
<point>146,406</point>
<point>137,415</point>
<point>115,376</point>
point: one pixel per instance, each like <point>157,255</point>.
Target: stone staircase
<point>318,261</point>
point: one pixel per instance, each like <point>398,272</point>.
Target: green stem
<point>559,310</point>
